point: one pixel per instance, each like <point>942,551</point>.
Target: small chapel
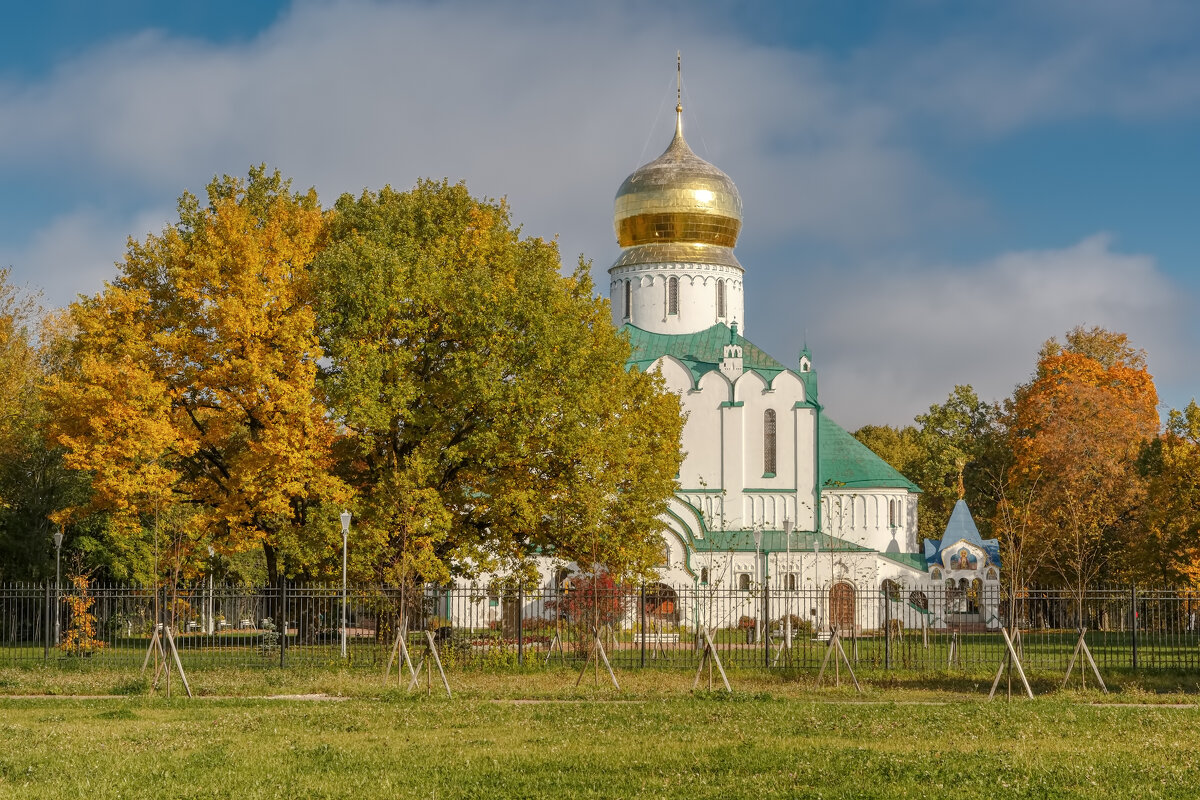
<point>772,491</point>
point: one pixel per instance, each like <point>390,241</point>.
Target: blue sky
<point>931,188</point>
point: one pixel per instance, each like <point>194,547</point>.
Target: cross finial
<point>678,82</point>
<point>678,94</point>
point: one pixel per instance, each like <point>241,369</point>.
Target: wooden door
<point>841,607</point>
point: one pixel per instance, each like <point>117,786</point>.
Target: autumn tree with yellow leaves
<point>1168,552</point>
<point>191,381</point>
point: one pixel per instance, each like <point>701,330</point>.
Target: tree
<point>953,440</point>
<point>34,482</point>
<point>1169,550</point>
<point>488,411</point>
<point>947,455</point>
<point>897,446</point>
<point>191,380</point>
<point>1077,429</point>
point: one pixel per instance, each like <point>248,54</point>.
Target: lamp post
<point>209,625</point>
<point>817,578</point>
<point>758,574</point>
<point>345,517</point>
<point>787,625</point>
<point>58,539</point>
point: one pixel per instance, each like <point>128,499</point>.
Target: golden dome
<point>681,201</point>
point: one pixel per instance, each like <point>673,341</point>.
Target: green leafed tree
<point>948,454</point>
<point>488,412</point>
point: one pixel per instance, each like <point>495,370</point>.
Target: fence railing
<point>643,625</point>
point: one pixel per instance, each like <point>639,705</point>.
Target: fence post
<point>642,625</point>
<point>282,621</point>
<point>766,622</point>
<point>520,623</point>
<point>46,638</point>
<point>887,629</point>
<point>1133,614</point>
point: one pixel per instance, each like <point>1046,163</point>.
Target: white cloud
<point>553,107</point>
<point>891,339</point>
<point>76,253</point>
<point>549,109</point>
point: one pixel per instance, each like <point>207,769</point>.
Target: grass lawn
<point>776,736</point>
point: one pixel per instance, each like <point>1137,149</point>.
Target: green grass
<point>780,741</point>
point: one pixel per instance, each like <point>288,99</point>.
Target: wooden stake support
<point>399,651</point>
<point>596,654</point>
<point>1010,660</point>
<point>953,657</point>
<point>835,645</point>
<point>557,642</point>
<point>1081,647</point>
<point>785,647</point>
<point>709,657</point>
<point>428,656</point>
<point>159,651</point>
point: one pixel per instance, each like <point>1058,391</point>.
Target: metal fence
<point>644,625</point>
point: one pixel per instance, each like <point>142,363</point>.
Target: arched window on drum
<point>769,440</point>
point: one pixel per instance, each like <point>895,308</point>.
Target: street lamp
<point>58,539</point>
<point>345,538</point>
<point>817,572</point>
<point>758,573</point>
<point>787,535</point>
<point>209,624</point>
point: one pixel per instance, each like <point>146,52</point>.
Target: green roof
<point>911,560</point>
<point>700,352</point>
<point>845,461</point>
<point>774,542</point>
<point>848,463</point>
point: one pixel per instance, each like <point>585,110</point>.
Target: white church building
<point>772,490</point>
<point>772,493</point>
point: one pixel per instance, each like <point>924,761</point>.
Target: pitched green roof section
<point>742,541</point>
<point>914,561</point>
<point>848,463</point>
<point>700,351</point>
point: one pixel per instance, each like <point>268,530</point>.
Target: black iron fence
<point>644,625</point>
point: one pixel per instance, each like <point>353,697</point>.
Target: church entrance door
<point>841,607</point>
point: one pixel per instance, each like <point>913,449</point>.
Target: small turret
<point>731,355</point>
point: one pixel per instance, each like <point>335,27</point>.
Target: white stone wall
<point>861,516</point>
<point>724,442</point>
<point>697,296</point>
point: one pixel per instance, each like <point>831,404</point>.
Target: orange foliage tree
<point>80,637</point>
<point>191,383</point>
<point>1076,431</point>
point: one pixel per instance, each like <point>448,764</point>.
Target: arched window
<point>744,581</point>
<point>919,600</point>
<point>673,295</point>
<point>628,299</point>
<point>720,298</point>
<point>790,583</point>
<point>890,589</point>
<point>973,596</point>
<point>664,555</point>
<point>704,574</point>
<point>893,513</point>
<point>769,443</point>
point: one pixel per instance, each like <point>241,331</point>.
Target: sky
<point>931,189</point>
